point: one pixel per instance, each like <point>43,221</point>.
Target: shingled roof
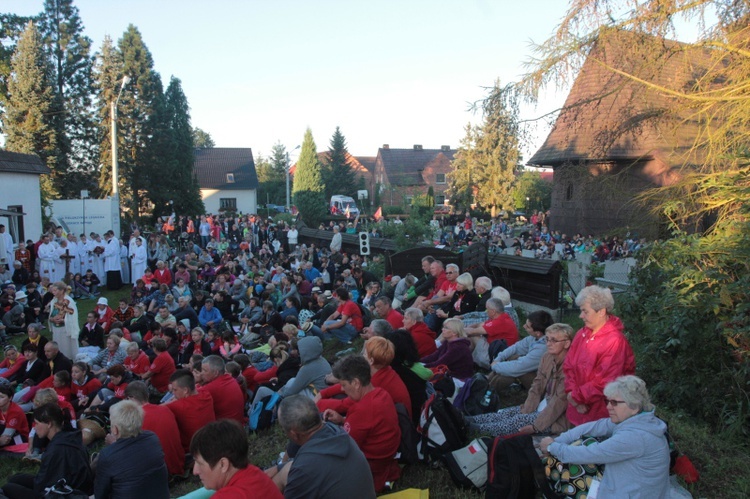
<point>14,162</point>
<point>609,117</point>
<point>405,166</point>
<point>214,163</point>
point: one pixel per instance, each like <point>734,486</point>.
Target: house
<point>615,137</point>
<point>401,174</point>
<point>362,166</point>
<point>20,195</point>
<point>227,179</point>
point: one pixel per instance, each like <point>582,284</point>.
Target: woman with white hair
<point>635,452</point>
<point>600,353</point>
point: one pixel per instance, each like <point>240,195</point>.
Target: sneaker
<point>344,352</point>
<point>34,457</point>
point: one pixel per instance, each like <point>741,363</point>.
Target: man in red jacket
<point>423,336</point>
<point>229,402</point>
<point>193,410</point>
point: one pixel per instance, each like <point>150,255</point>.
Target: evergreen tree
<point>463,178</point>
<point>497,150</point>
<point>27,123</point>
<point>138,123</point>
<point>11,27</point>
<point>338,175</point>
<point>308,183</point>
<point>108,74</point>
<point>72,118</point>
<point>202,139</point>
<point>182,184</point>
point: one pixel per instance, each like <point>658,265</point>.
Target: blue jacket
<point>636,455</point>
<point>205,316</point>
<point>132,468</point>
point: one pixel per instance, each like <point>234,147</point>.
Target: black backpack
<point>515,470</point>
<point>470,399</point>
<point>441,428</point>
<point>407,449</point>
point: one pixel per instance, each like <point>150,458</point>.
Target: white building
<point>227,179</point>
<point>20,199</point>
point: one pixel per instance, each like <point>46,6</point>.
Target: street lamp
<point>288,166</point>
<point>115,186</point>
<point>84,195</point>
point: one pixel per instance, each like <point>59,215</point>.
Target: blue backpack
<point>263,412</point>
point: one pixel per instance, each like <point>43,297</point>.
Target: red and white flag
<point>378,214</point>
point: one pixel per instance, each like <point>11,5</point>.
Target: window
<point>229,204</point>
<point>569,192</point>
<point>439,199</point>
<point>230,178</point>
<point>409,200</point>
<point>440,178</point>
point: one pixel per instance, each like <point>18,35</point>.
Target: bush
<point>394,210</point>
<point>286,217</point>
<point>687,316</point>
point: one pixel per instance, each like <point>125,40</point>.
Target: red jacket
<point>163,277</point>
<point>385,378</point>
<point>248,482</point>
<point>591,363</point>
<point>424,338</point>
<point>160,420</point>
<point>229,402</point>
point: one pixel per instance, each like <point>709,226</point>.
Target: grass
<point>720,459</point>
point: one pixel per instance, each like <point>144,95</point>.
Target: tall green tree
<point>139,121</point>
<point>338,175</point>
<point>28,127</point>
<point>497,149</point>
<point>202,139</point>
<point>11,27</point>
<point>180,181</point>
<point>108,73</point>
<point>308,183</point>
<point>463,178</point>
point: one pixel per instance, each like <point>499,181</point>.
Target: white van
<point>343,205</point>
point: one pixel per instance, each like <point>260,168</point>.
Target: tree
<point>202,139</point>
<point>462,179</point>
<point>338,175</point>
<point>27,117</point>
<point>308,183</point>
<point>531,186</point>
<point>181,183</point>
<point>69,50</point>
<point>11,27</point>
<point>687,309</point>
<point>108,75</point>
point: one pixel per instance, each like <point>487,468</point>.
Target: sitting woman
<point>291,307</point>
<point>635,452</point>
<point>454,351</point>
<point>64,457</point>
<point>372,420</point>
<point>412,372</point>
<point>379,353</point>
<point>83,387</point>
<point>220,450</point>
<point>14,428</point>
<point>229,345</point>
<point>108,357</point>
<point>463,301</point>
<point>546,403</point>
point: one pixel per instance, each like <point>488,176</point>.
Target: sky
<point>388,72</point>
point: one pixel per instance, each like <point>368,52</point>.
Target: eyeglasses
<point>613,402</point>
<point>553,340</point>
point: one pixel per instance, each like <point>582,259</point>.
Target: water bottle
<point>487,398</point>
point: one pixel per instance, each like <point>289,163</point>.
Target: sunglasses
<point>613,402</point>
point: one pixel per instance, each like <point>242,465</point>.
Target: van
<point>343,205</point>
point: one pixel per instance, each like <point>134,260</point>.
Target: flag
<point>378,214</point>
<point>346,212</point>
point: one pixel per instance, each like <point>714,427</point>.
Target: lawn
<point>720,459</point>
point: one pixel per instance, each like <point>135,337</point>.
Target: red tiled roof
<point>214,163</point>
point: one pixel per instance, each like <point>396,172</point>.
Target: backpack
<point>468,466</point>
<point>441,428</point>
<point>471,397</point>
<point>515,471</point>
<point>262,412</point>
<point>366,315</point>
<point>407,449</point>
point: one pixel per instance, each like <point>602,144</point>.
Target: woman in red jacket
<point>379,353</point>
<point>372,420</point>
<point>600,353</point>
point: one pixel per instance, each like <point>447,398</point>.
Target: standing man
<point>112,261</point>
<point>6,247</point>
<point>46,254</point>
<point>336,241</point>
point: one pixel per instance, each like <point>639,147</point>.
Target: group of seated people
<point>163,378</point>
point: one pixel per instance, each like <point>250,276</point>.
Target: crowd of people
<point>174,372</point>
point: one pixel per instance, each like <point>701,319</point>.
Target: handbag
<point>573,480</point>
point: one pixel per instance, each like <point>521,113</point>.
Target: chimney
<point>445,148</point>
<point>417,147</point>
<point>386,146</point>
